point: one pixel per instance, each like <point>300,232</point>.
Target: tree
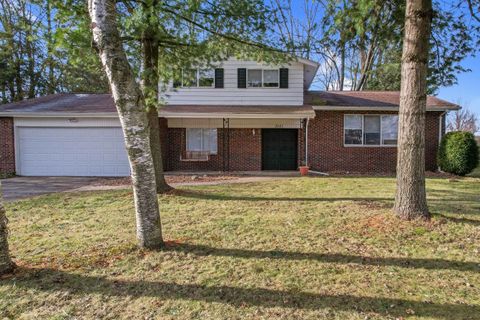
<point>410,198</point>
<point>463,120</point>
<point>131,110</point>
<point>150,84</point>
<point>6,264</point>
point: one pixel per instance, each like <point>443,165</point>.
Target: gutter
<point>309,115</point>
<point>60,114</point>
<point>379,108</point>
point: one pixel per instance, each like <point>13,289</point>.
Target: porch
<point>234,138</point>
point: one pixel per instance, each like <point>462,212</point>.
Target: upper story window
<point>196,78</point>
<point>375,130</point>
<point>266,78</point>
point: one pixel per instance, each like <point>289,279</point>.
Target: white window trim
<point>363,145</point>
<point>262,86</point>
<point>197,71</point>
<point>210,152</point>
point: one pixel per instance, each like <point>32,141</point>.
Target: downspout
<point>306,151</point>
<point>306,142</point>
<point>440,126</point>
<point>440,131</point>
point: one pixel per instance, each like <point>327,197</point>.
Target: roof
<point>359,99</point>
<point>63,103</point>
<point>82,104</point>
<point>224,111</point>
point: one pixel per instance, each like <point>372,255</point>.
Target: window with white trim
<point>370,130</point>
<point>204,140</point>
<point>196,78</point>
<point>266,78</point>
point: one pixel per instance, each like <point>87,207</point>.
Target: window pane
<point>372,130</point>
<point>205,77</point>
<point>353,122</point>
<point>389,130</point>
<point>189,78</point>
<point>211,137</point>
<point>270,78</point>
<point>353,136</point>
<point>194,139</point>
<point>254,78</point>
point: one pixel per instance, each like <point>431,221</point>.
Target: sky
<point>467,91</point>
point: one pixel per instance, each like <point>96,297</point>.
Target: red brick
<point>7,147</point>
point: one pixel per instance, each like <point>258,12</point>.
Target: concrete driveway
<point>25,187</point>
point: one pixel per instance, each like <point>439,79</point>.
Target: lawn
<point>310,248</point>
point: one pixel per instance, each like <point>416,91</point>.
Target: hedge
<point>458,153</point>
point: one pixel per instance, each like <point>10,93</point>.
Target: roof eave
<point>380,108</point>
<point>59,114</point>
<point>202,115</point>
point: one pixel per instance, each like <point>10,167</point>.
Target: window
<point>353,129</point>
<point>206,77</point>
<point>202,140</point>
<point>258,78</point>
<point>389,130</point>
<point>254,78</point>
<point>371,130</point>
<point>374,130</point>
<point>196,78</point>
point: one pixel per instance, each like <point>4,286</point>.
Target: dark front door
<point>279,149</point>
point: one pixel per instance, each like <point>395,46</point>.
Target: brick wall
<point>7,147</point>
<point>245,153</point>
<point>327,152</point>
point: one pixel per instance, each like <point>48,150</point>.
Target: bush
<point>458,153</point>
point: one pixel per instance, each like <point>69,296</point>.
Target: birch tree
<point>131,110</point>
<point>410,198</point>
<point>6,264</point>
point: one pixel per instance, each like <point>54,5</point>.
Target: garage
<point>70,151</point>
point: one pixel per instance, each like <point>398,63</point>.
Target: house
<point>240,116</point>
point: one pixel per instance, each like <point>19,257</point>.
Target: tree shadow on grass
<point>215,196</point>
<point>459,220</point>
<point>50,280</point>
<point>431,264</point>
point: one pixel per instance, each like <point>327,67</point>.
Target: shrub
<point>458,153</point>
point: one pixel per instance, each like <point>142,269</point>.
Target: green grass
<point>310,248</point>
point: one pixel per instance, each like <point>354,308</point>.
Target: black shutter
<point>284,78</point>
<point>219,78</point>
<point>242,77</point>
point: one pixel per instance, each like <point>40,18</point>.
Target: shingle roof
<point>64,102</point>
<point>72,103</point>
<point>366,99</point>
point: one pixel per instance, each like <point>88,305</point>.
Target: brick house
<point>240,116</point>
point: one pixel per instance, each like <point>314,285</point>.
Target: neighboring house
<point>241,116</point>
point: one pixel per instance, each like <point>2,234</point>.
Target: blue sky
<point>467,91</point>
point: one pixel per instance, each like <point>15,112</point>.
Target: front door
<point>279,149</point>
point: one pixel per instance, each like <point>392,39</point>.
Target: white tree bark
<point>131,109</point>
<point>6,264</point>
<point>410,199</point>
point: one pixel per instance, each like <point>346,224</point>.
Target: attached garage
<point>46,148</point>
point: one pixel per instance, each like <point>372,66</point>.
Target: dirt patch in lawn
<point>171,179</point>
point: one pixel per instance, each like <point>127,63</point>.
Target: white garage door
<point>71,152</point>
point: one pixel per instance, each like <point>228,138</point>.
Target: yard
<point>307,248</point>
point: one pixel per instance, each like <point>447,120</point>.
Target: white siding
<point>232,95</point>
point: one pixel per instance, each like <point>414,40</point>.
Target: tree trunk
<point>150,81</point>
<point>410,199</point>
<point>131,109</point>
<point>51,76</point>
<point>6,264</point>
